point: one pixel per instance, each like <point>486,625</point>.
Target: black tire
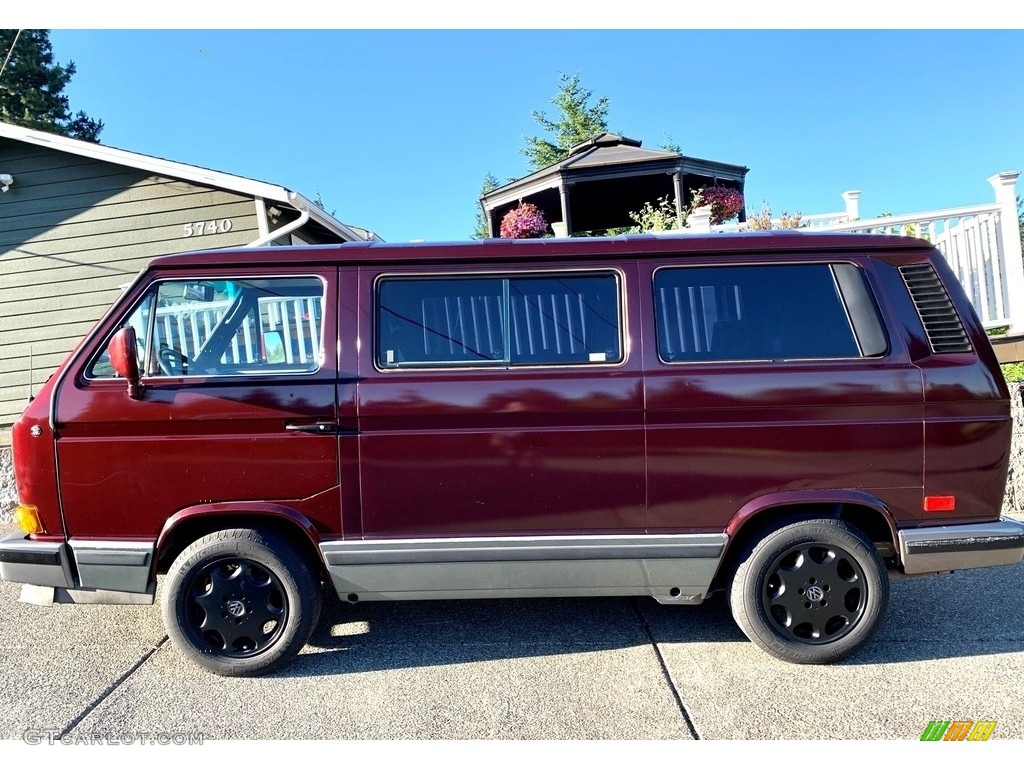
<point>810,592</point>
<point>241,602</point>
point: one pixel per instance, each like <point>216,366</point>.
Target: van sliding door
<point>500,403</point>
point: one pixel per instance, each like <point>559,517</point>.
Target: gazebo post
<point>563,196</point>
<point>677,182</point>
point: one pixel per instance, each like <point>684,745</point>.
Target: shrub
<point>657,217</point>
<point>763,219</point>
<point>1013,372</point>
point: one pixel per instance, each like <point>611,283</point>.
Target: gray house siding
<point>74,229</point>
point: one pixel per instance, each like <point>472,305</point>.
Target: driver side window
<point>187,314</point>
<point>226,328</point>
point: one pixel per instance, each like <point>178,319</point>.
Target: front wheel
<point>241,602</point>
<point>811,592</point>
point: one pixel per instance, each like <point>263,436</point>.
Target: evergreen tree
<point>32,87</point>
<point>490,183</point>
<point>577,120</point>
<point>318,201</point>
<point>1020,219</point>
<point>670,144</point>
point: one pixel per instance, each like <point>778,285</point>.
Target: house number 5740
<point>194,229</point>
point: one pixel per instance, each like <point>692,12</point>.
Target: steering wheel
<point>172,362</point>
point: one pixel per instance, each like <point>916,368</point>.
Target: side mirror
<point>124,360</point>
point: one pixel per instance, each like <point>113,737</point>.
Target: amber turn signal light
<point>939,503</point>
<point>27,518</point>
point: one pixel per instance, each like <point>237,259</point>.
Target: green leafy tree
<point>32,87</point>
<point>578,119</point>
<point>481,233</point>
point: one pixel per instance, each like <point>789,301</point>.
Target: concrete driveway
<point>951,648</point>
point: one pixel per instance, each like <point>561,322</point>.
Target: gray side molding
<point>118,566</point>
<point>671,568</point>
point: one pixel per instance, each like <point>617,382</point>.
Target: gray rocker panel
<point>673,569</point>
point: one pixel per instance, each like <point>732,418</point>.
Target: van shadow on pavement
<point>972,613</point>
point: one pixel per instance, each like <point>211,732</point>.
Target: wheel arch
<point>192,523</point>
<point>759,517</point>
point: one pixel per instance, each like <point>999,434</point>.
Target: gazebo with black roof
<point>603,179</point>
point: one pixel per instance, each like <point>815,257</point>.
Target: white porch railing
<point>981,243</point>
<point>185,327</point>
<point>969,238</point>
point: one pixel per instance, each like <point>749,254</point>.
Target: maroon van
<point>784,417</point>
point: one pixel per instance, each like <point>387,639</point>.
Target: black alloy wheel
<point>814,593</point>
<point>236,608</point>
<point>810,592</point>
<point>241,601</point>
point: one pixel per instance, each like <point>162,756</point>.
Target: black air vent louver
<point>942,324</point>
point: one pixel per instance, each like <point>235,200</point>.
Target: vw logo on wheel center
<point>814,592</point>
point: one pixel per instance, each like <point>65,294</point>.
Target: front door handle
<point>319,428</point>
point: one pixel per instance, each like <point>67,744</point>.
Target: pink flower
<point>524,221</point>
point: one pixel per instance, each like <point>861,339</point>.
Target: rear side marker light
<point>27,518</point>
<point>939,503</point>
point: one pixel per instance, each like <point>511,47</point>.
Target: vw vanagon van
<point>785,418</point>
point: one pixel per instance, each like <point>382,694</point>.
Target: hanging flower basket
<point>524,221</point>
<point>726,203</point>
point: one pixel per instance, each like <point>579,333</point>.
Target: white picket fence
<point>981,243</point>
<point>185,327</point>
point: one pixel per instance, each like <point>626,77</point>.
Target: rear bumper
<point>116,566</point>
<point>960,547</point>
<point>43,563</point>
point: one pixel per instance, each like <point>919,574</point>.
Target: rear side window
<point>498,320</point>
<point>766,312</point>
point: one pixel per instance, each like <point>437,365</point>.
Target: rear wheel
<point>811,592</point>
<point>241,602</point>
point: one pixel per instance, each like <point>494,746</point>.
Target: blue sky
<point>396,129</point>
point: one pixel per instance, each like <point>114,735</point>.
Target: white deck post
<point>1005,185</point>
<point>852,199</point>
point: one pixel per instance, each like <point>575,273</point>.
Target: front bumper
<point>940,548</point>
<point>43,563</point>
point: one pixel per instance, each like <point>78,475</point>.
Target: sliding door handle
<point>319,428</point>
